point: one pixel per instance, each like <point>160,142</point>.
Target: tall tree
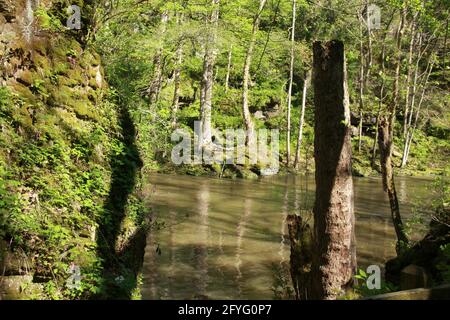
<point>386,140</point>
<point>302,119</point>
<point>208,73</point>
<point>227,77</point>
<point>249,125</point>
<point>177,74</point>
<point>291,80</point>
<point>334,263</point>
<point>157,77</point>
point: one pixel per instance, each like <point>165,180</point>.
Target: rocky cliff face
<point>59,132</point>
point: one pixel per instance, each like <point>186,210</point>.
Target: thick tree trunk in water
<point>335,261</point>
<point>249,125</point>
<point>302,119</point>
<point>291,79</point>
<point>208,76</point>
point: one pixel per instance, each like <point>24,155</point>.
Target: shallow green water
<point>222,238</point>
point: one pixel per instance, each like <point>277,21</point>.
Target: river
<point>227,239</point>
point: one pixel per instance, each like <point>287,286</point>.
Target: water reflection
<point>222,237</point>
<point>201,246</point>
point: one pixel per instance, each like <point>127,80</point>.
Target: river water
<point>225,239</point>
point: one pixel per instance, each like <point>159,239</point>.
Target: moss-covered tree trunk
<point>334,261</point>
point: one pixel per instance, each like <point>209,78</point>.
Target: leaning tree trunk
<point>334,262</point>
<point>387,172</point>
<point>385,143</point>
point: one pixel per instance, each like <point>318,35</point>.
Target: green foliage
<point>362,290</point>
<point>281,283</point>
<point>47,20</point>
<point>58,149</point>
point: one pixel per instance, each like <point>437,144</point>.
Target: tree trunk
<point>387,171</point>
<point>408,76</point>
<point>208,75</point>
<point>412,129</point>
<point>156,82</point>
<point>369,46</point>
<point>302,119</point>
<point>177,82</point>
<point>382,89</point>
<point>361,88</point>
<point>334,261</point>
<point>385,143</point>
<point>177,77</point>
<point>227,78</point>
<point>249,125</point>
<point>291,79</point>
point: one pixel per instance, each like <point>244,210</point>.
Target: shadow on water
<point>125,261</point>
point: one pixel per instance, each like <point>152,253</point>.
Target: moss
<point>23,92</point>
<point>76,75</point>
<point>93,83</point>
<point>41,46</point>
<point>64,47</point>
<point>42,62</point>
<point>61,68</point>
<point>246,173</point>
<point>89,59</point>
<point>84,109</point>
<point>61,96</point>
<point>26,77</point>
<point>67,81</point>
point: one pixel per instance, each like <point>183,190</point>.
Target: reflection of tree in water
<point>281,283</point>
<point>150,264</point>
<point>284,214</point>
<point>283,287</point>
<point>172,244</point>
<point>402,191</point>
<point>200,249</point>
<point>240,234</point>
